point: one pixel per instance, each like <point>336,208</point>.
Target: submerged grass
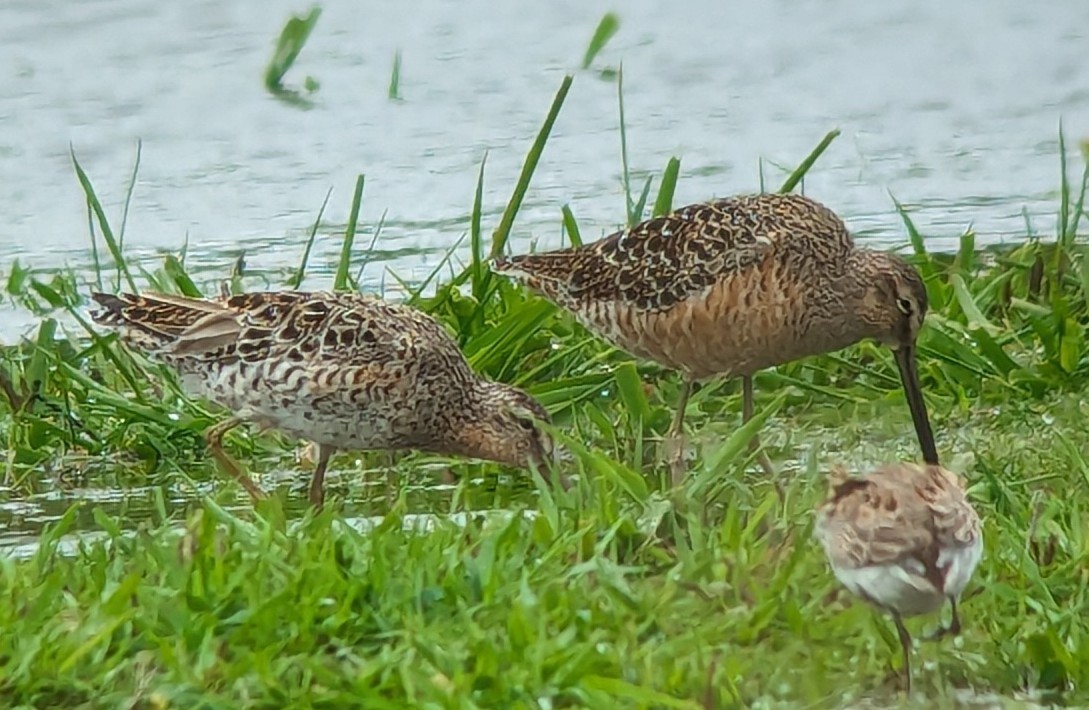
<point>293,37</point>
<point>601,596</point>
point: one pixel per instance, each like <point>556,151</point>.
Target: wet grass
<point>616,593</point>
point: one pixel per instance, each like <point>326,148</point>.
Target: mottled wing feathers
<point>160,322</point>
<point>898,513</point>
<point>664,260</point>
<point>347,329</point>
<point>955,523</point>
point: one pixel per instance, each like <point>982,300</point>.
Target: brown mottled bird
<point>734,286</point>
<point>343,370</point>
<point>905,539</point>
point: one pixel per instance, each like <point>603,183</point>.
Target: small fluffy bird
<point>905,539</point>
<point>342,370</point>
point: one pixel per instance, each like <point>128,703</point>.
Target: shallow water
<point>952,107</point>
<point>363,497</point>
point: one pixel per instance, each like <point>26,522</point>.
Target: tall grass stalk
<point>344,264</point>
<point>606,28</point>
<point>300,273</point>
<point>502,232</point>
<point>103,222</point>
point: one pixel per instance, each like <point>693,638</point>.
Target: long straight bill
<point>913,391</point>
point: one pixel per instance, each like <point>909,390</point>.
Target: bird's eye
<point>904,305</point>
<point>527,424</point>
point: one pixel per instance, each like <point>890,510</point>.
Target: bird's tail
<point>151,321</point>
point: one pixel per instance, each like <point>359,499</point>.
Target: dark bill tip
<point>913,391</point>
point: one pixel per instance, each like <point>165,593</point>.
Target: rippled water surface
<point>954,107</point>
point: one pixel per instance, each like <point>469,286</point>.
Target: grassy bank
<point>614,593</point>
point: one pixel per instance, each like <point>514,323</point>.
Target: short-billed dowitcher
<point>905,539</point>
<point>734,286</point>
<point>343,370</point>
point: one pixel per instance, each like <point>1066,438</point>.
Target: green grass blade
<point>1079,205</point>
<point>975,316</point>
<point>1064,189</point>
<point>481,273</point>
<point>629,207</point>
<point>644,697</point>
<point>292,39</point>
<point>125,209</point>
<point>300,273</point>
<point>178,275</point>
<point>966,254</point>
<point>641,204</point>
<point>357,283</point>
<point>632,395</point>
<point>918,245</point>
<point>606,28</point>
<point>571,226</point>
<point>37,370</point>
<point>733,447</point>
<point>502,233</point>
<point>664,204</point>
<point>395,78</point>
<point>103,223</point>
<point>803,167</point>
<point>1084,269</point>
<point>340,283</point>
<point>94,246</point>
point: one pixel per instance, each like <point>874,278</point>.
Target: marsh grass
<point>605,30</point>
<point>604,595</point>
<point>293,37</point>
<point>394,92</point>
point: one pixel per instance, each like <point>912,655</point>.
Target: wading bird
<point>343,370</point>
<point>735,286</point>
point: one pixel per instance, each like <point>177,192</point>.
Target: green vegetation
<point>292,40</point>
<point>618,592</point>
<point>606,28</point>
<point>395,78</point>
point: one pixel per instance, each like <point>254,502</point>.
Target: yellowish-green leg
<point>905,644</point>
<point>317,481</point>
<point>747,406</point>
<point>214,437</point>
<point>675,441</point>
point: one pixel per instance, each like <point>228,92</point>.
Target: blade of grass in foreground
<point>103,223</point>
<point>571,226</point>
<point>608,27</point>
<point>340,283</point>
<point>176,272</point>
<point>125,209</point>
<point>917,243</point>
<point>629,206</point>
<point>94,247</point>
<point>502,232</point>
<point>480,273</point>
<point>297,279</point>
<point>646,697</point>
<point>357,282</point>
<point>395,78</point>
<point>805,165</point>
<point>732,448</point>
<point>292,39</point>
<point>664,204</point>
